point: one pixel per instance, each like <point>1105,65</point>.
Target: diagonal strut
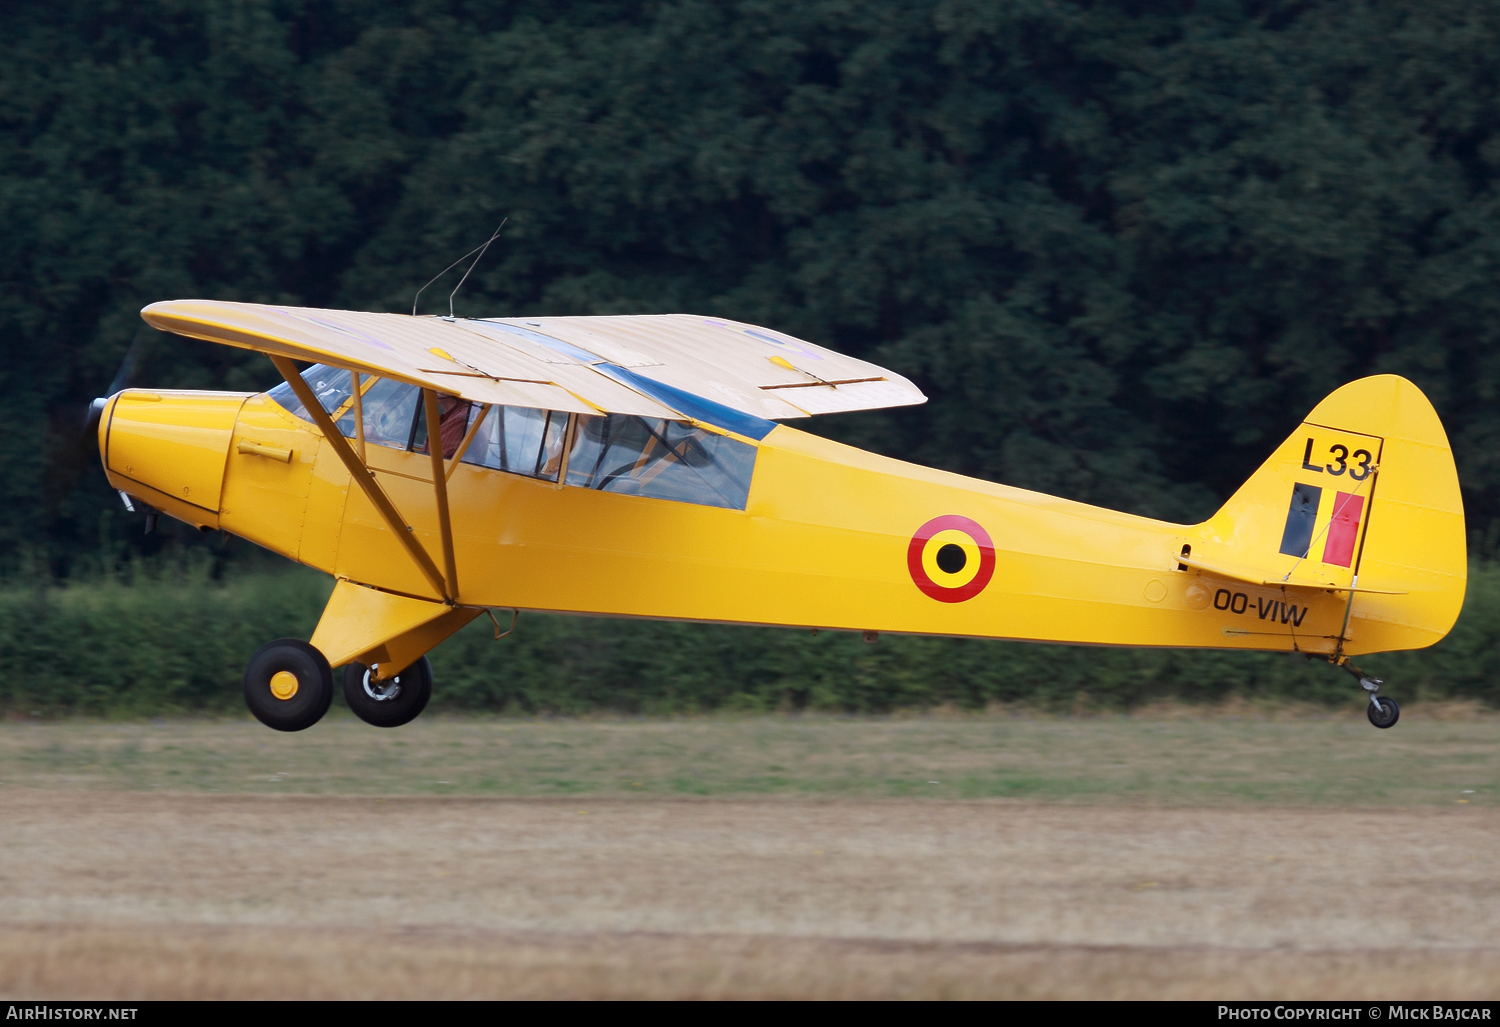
<point>365,478</point>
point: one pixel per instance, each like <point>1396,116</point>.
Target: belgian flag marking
<point>951,558</point>
<point>1341,531</point>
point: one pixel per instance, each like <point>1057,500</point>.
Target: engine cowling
<point>169,449</point>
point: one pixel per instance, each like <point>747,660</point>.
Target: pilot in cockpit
<point>453,423</point>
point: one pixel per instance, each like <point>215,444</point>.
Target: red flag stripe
<point>1343,529</point>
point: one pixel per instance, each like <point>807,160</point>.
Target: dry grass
<point>250,963</point>
<point>1242,855</point>
<point>119,894</point>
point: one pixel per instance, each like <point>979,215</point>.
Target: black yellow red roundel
<point>951,558</point>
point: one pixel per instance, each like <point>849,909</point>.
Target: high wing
<point>638,364</point>
<point>757,370</point>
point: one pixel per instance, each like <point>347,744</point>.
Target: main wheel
<point>1388,715</point>
<point>288,685</point>
<point>392,702</point>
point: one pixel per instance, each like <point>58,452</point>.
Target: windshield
<point>331,385</point>
<point>390,408</point>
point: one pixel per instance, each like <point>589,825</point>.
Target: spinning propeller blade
<point>126,373</point>
<point>122,380</point>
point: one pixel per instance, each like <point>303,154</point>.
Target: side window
<point>661,459</point>
<point>612,453</point>
<point>345,424</point>
<point>331,385</point>
<point>519,440</point>
<point>390,413</point>
<point>454,417</point>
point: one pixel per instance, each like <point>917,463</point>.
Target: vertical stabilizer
<point>1363,497</point>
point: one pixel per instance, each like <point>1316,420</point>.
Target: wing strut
<point>365,478</point>
<point>463,447</point>
<point>440,487</point>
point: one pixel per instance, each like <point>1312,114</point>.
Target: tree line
<point>1124,246</point>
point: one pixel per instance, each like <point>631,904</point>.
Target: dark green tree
<point>1123,246</point>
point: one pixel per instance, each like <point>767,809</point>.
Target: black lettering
<point>1363,456</point>
<point>1289,613</point>
<point>1266,606</point>
<point>1307,464</point>
<point>1223,594</point>
<point>1342,456</point>
<point>1239,603</point>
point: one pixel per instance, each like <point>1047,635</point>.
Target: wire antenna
<point>477,259</point>
<point>478,249</point>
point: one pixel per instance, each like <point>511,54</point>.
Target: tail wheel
<point>1387,715</point>
<point>288,685</point>
<point>388,702</point>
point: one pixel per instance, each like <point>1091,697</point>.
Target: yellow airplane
<point>638,467</point>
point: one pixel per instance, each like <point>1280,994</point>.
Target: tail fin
<point>1362,498</point>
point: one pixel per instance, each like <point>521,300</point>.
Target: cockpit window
<point>636,456</point>
<point>454,417</point>
<point>390,410</point>
<point>519,440</point>
<point>331,385</point>
<point>642,456</point>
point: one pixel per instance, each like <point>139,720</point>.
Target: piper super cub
<point>441,468</point>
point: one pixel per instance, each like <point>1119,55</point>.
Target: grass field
<point>1179,853</point>
<point>1438,754</point>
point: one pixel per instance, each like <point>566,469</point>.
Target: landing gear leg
<point>1383,713</point>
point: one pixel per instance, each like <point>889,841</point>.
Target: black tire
<point>266,695</point>
<point>1389,713</point>
<point>388,704</point>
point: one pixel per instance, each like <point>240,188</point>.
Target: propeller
<point>122,380</point>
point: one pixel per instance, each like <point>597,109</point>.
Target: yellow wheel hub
<point>283,684</point>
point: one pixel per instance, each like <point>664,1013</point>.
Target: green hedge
<point>171,640</point>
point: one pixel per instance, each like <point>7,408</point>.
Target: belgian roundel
<point>951,558</point>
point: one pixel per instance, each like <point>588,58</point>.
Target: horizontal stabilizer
<point>1252,578</point>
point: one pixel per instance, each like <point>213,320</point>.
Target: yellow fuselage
<point>825,540</point>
